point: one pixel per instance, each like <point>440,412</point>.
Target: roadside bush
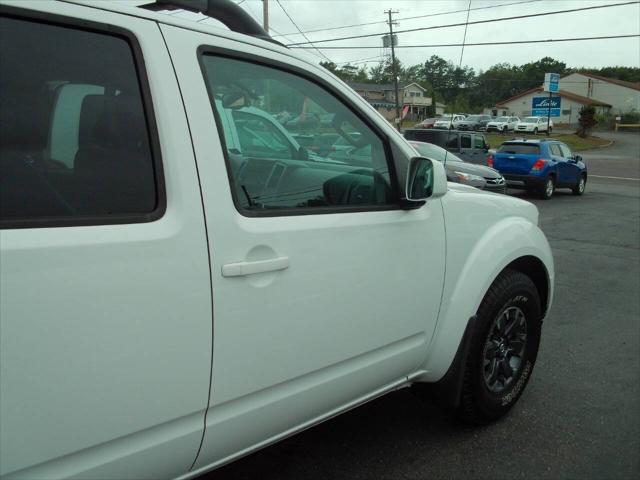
<point>605,121</point>
<point>587,120</point>
<point>630,117</point>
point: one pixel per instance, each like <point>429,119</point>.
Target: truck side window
<point>465,141</point>
<point>478,142</point>
<point>74,145</point>
<point>290,144</point>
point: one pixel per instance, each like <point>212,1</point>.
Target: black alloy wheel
<point>503,348</point>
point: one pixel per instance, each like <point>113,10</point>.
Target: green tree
<point>332,67</point>
<point>383,71</point>
<point>587,120</point>
<point>628,74</point>
<point>348,72</point>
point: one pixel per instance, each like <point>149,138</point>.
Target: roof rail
<point>225,11</point>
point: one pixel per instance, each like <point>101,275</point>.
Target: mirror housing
<point>302,154</point>
<point>577,158</point>
<point>420,179</point>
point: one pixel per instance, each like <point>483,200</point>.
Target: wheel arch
<point>512,244</point>
<point>447,389</point>
<point>534,268</point>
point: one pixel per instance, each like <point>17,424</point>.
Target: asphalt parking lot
<point>580,415</point>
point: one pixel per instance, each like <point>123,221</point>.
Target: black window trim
<point>150,117</point>
<point>203,50</point>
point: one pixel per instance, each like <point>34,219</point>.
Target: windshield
<point>473,118</point>
<point>434,152</point>
<point>530,120</point>
<point>502,119</point>
<point>446,118</point>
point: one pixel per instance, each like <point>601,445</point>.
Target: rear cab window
<point>75,146</point>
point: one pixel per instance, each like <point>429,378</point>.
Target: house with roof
<point>607,95</point>
<point>383,98</point>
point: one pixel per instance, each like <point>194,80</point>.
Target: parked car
<point>426,123</point>
<point>459,171</point>
<point>448,122</point>
<point>502,124</point>
<point>474,122</point>
<point>180,285</point>
<point>534,125</point>
<point>540,166</point>
<point>470,147</point>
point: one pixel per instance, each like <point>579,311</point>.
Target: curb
<point>611,142</point>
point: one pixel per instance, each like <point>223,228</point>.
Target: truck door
<point>322,294</point>
<point>466,147</point>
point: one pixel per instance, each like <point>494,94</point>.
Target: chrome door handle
<point>241,269</point>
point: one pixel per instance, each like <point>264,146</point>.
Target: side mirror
<point>577,158</point>
<point>302,154</point>
<point>419,180</point>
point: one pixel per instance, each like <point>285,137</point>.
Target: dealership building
<point>576,90</point>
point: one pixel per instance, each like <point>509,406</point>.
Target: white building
<point>623,96</point>
<point>383,98</point>
<point>576,90</point>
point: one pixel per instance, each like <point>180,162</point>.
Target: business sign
<point>552,82</point>
<point>540,106</point>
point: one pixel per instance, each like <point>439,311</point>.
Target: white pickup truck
<point>182,284</point>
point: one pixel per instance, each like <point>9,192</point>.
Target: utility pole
<point>549,114</point>
<point>393,66</point>
<point>265,15</point>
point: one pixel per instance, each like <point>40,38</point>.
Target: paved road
<point>622,159</point>
<point>580,415</point>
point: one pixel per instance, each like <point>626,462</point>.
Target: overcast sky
<point>323,14</point>
<point>314,14</point>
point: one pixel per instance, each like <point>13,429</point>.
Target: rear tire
<point>503,348</point>
<point>578,189</point>
<point>535,131</point>
<point>549,187</point>
<point>550,130</point>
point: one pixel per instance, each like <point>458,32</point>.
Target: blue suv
<point>540,166</point>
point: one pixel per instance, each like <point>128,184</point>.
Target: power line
<point>513,42</point>
<point>361,60</point>
<point>321,57</point>
<point>249,10</point>
<point>476,22</point>
<point>414,17</point>
<point>464,38</point>
<point>298,28</point>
